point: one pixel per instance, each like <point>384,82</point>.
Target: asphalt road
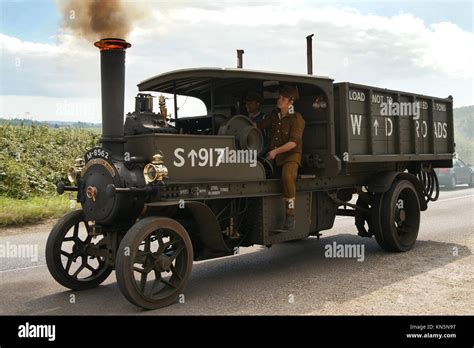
<point>436,277</point>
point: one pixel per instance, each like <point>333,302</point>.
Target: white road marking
<point>21,269</point>
<point>49,310</point>
<point>452,199</point>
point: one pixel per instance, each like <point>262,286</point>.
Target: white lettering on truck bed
<point>356,120</point>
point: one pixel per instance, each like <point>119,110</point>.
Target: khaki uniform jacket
<point>285,129</point>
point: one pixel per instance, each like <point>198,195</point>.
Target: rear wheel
<point>399,217</point>
<point>154,261</point>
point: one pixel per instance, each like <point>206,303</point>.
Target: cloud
<point>63,69</point>
<point>398,52</point>
<point>404,38</point>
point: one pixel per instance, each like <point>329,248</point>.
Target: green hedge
<point>34,158</point>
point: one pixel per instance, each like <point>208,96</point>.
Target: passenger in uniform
<point>286,145</point>
<point>253,100</point>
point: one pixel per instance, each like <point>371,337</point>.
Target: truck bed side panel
<point>374,125</point>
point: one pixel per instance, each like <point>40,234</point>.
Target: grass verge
<point>23,211</point>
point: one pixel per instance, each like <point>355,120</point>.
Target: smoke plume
<point>97,19</point>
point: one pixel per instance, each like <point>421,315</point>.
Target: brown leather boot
<point>290,222</point>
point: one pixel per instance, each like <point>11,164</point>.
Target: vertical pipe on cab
<point>309,53</point>
<point>175,104</point>
<point>240,59</point>
<point>112,71</point>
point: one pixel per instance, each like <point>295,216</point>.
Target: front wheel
<point>70,255</point>
<point>154,261</point>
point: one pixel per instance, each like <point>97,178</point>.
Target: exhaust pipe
<point>112,72</point>
<point>240,59</point>
<point>309,53</point>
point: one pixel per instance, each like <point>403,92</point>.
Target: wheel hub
<point>164,263</point>
<point>402,215</point>
<point>79,248</point>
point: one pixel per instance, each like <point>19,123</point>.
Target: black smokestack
<point>112,71</point>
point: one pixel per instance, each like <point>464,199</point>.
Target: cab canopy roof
<point>196,82</point>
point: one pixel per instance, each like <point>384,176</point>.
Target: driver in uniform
<point>287,127</point>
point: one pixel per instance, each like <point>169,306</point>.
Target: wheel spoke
<point>139,270</point>
<point>77,240</point>
<point>76,231</point>
<point>86,225</point>
<point>159,236</point>
<point>170,242</point>
<point>175,272</point>
<point>79,269</point>
<point>90,268</point>
<point>143,277</point>
<point>147,244</point>
<point>164,281</point>
<point>75,255</point>
<point>156,282</point>
<point>177,252</point>
<point>68,265</point>
<point>87,240</point>
<point>156,236</point>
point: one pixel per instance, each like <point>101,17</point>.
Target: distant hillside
<point>50,124</point>
<point>464,133</point>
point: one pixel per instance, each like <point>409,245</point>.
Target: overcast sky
<point>417,46</point>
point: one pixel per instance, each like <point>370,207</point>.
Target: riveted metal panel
<point>274,211</point>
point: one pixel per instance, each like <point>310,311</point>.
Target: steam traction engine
<point>160,192</point>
